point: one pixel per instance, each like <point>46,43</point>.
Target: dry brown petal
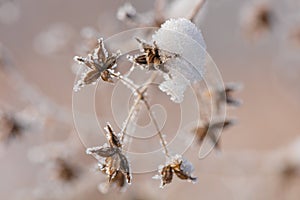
<point>113,139</point>
<point>124,167</point>
<point>166,175</point>
<point>181,174</point>
<point>152,58</point>
<point>119,179</point>
<point>203,130</point>
<point>91,77</point>
<point>100,52</point>
<point>105,76</point>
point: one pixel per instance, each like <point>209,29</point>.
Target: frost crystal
<point>174,87</point>
<point>182,37</point>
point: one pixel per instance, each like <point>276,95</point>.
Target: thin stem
<point>133,108</point>
<point>196,10</point>
<point>163,141</point>
<point>159,17</point>
<point>136,103</point>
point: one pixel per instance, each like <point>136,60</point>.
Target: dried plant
<point>115,164</point>
<point>176,59</point>
<point>211,129</point>
<point>177,73</point>
<point>128,14</point>
<point>152,58</point>
<point>257,19</point>
<point>64,171</point>
<point>175,165</point>
<point>100,64</point>
<point>11,127</point>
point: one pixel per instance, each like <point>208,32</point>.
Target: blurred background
<point>256,43</point>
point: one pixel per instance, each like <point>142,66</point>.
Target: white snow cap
<point>182,37</point>
<point>182,26</point>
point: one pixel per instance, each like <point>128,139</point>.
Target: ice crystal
<point>183,38</point>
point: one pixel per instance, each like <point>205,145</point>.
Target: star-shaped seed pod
<point>176,164</point>
<point>100,64</point>
<point>211,129</point>
<point>224,96</point>
<point>111,160</point>
<point>152,57</point>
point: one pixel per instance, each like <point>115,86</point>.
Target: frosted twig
<point>136,103</point>
<point>196,10</point>
<point>163,141</point>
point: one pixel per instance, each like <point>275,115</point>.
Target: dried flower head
<point>224,96</point>
<point>229,89</point>
<point>10,127</point>
<point>211,129</point>
<point>64,171</point>
<point>100,64</point>
<point>176,164</point>
<point>152,57</point>
<point>128,14</point>
<point>184,39</point>
<point>111,160</point>
<point>162,11</point>
<point>257,19</point>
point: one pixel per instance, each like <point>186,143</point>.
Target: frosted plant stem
<point>196,10</point>
<point>136,103</point>
<point>163,141</point>
<point>158,8</point>
<point>126,81</point>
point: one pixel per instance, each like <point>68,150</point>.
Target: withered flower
<point>111,160</point>
<point>10,127</point>
<point>100,64</point>
<point>229,89</point>
<point>257,19</point>
<point>224,96</point>
<point>176,164</point>
<point>211,129</point>
<point>151,57</point>
<point>128,14</point>
<point>64,171</point>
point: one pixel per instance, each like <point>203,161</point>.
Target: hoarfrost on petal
<point>175,87</point>
<point>187,167</point>
<point>182,37</point>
